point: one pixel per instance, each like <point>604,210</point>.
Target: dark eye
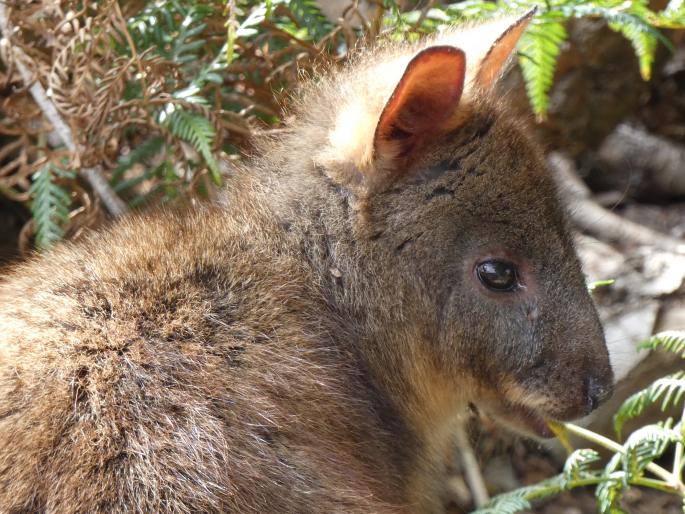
<point>499,276</point>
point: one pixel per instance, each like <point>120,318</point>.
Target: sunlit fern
<point>540,46</point>
<point>199,132</point>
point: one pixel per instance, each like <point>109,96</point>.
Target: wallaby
<point>306,344</point>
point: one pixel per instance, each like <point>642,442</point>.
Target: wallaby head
<point>456,221</point>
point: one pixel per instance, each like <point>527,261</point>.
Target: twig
<point>135,58</point>
<point>678,456</point>
<point>471,469</point>
<point>351,11</point>
<point>93,176</point>
<point>609,444</point>
<point>289,37</point>
<point>589,216</point>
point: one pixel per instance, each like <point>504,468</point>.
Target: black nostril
<point>597,393</point>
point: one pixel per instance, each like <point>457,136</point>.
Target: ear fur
<point>422,104</point>
<point>396,101</point>
<point>500,51</point>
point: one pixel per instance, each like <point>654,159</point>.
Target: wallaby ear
<point>422,104</point>
<point>498,54</point>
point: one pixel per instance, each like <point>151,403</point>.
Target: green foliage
<point>540,47</point>
<point>171,29</point>
<point>644,446</point>
<point>541,44</point>
<point>599,283</point>
<point>632,463</point>
<point>627,467</point>
<point>309,15</point>
<point>49,205</point>
<point>577,466</point>
<point>670,341</point>
<point>668,390</point>
<point>520,499</point>
<point>632,20</point>
<point>507,503</point>
<point>168,75</point>
<point>138,155</point>
<point>199,132</point>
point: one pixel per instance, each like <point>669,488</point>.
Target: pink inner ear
<point>425,99</point>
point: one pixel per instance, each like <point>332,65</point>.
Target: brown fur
<point>306,345</point>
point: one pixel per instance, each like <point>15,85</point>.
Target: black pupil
<point>497,275</point>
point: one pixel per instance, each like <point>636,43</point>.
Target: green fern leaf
<point>519,499</point>
<point>140,153</point>
<point>670,340</point>
<point>645,445</point>
<point>608,493</point>
<point>539,48</point>
<point>673,17</point>
<point>199,132</point>
<point>49,206</point>
<point>670,390</point>
<point>474,10</point>
<point>309,15</point>
<point>644,43</point>
<point>172,30</point>
<point>631,20</point>
<point>505,504</point>
<point>577,464</point>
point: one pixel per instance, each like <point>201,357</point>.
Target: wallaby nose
<point>597,392</point>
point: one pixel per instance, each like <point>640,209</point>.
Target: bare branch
<point>590,216</point>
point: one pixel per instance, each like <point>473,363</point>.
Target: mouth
<point>522,419</point>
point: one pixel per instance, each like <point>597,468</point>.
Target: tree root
<point>655,162</point>
<point>602,223</point>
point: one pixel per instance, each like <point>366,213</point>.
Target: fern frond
<point>173,30</point>
<point>609,492</point>
<point>669,390</point>
<point>672,17</point>
<point>474,10</point>
<point>670,340</point>
<point>199,132</point>
<point>309,15</point>
<point>140,153</point>
<point>505,504</point>
<point>49,206</point>
<point>644,43</point>
<point>633,24</point>
<point>538,51</point>
<point>578,464</point>
<point>519,499</point>
<point>645,445</point>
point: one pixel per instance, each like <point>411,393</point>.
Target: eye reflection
<point>497,275</point>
